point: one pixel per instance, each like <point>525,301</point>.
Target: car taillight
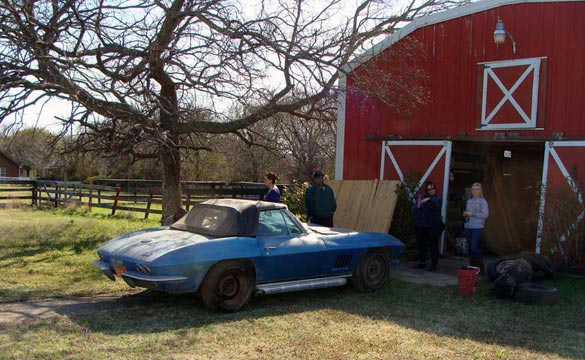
<point>143,269</point>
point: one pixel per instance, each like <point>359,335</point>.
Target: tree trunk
<point>171,185</point>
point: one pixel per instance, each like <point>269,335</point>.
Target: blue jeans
<point>474,238</point>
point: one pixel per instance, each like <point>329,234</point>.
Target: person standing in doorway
<point>273,194</point>
<point>475,214</point>
<point>428,226</point>
<point>320,202</point>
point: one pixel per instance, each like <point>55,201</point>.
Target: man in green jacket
<point>320,202</point>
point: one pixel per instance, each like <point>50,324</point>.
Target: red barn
<point>8,167</point>
<point>510,115</point>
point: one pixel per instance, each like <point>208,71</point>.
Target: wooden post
<point>90,199</point>
<point>116,198</point>
<point>34,193</point>
<point>188,199</point>
<point>99,196</point>
<point>147,212</point>
<point>57,195</point>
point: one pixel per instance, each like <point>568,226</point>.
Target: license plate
<point>119,269</point>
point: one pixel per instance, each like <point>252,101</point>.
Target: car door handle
<point>268,248</point>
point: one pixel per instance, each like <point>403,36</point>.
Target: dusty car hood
<point>148,246</point>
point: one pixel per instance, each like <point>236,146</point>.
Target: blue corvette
<point>228,250</point>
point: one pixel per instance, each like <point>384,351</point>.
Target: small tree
<point>294,198</point>
<point>403,217</point>
<point>563,235</point>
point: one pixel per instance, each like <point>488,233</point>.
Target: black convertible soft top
<point>224,217</point>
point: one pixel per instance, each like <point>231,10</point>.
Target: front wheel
<point>228,286</point>
<point>371,271</point>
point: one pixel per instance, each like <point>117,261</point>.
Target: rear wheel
<point>228,286</point>
<point>372,271</point>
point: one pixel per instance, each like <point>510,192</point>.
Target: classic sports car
<point>228,250</point>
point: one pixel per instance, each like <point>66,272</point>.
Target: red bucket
<point>467,280</point>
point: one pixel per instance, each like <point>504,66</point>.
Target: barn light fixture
<point>500,35</point>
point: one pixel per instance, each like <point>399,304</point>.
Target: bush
<point>402,219</point>
<point>294,198</point>
<point>563,236</point>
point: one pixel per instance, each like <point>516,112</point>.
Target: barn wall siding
<point>11,166</point>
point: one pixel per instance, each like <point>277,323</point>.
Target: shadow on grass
<point>556,329</point>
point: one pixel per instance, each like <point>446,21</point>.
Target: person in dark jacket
<point>320,202</point>
<point>428,226</point>
<point>273,194</point>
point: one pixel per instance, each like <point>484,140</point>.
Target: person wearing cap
<point>320,202</point>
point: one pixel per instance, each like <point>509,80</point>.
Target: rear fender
<point>204,256</point>
<point>364,240</point>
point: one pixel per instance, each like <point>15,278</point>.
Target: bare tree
<point>146,78</point>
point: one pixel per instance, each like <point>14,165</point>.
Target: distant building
<point>8,167</point>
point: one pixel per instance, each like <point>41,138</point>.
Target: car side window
<point>271,223</point>
<point>293,228</point>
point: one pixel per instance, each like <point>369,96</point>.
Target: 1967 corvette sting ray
<point>228,250</point>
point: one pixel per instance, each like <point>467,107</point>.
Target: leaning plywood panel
<point>383,206</point>
<point>346,208</point>
<point>368,195</point>
<point>335,186</point>
<point>365,205</point>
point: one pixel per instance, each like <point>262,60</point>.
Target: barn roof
<point>446,15</point>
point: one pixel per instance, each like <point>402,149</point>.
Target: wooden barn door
<point>562,159</point>
<point>430,158</point>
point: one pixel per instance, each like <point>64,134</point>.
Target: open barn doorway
<point>510,173</point>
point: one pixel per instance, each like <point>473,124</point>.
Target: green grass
<point>402,321</point>
<point>49,253</point>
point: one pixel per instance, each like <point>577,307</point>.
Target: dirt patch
<point>18,312</point>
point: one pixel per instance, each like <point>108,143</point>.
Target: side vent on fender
<point>342,262</point>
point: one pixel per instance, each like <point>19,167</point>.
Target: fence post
<point>116,198</point>
<point>149,202</point>
<point>34,193</point>
<point>188,199</point>
<point>90,199</point>
<point>57,195</point>
<point>99,196</point>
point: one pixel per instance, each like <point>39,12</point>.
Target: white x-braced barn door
<point>510,93</point>
<point>437,159</point>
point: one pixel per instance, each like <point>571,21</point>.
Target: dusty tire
<point>228,286</point>
<point>519,268</point>
<point>505,286</point>
<point>372,271</point>
<point>536,293</point>
<point>542,266</point>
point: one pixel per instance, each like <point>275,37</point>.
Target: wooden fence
<point>125,195</point>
